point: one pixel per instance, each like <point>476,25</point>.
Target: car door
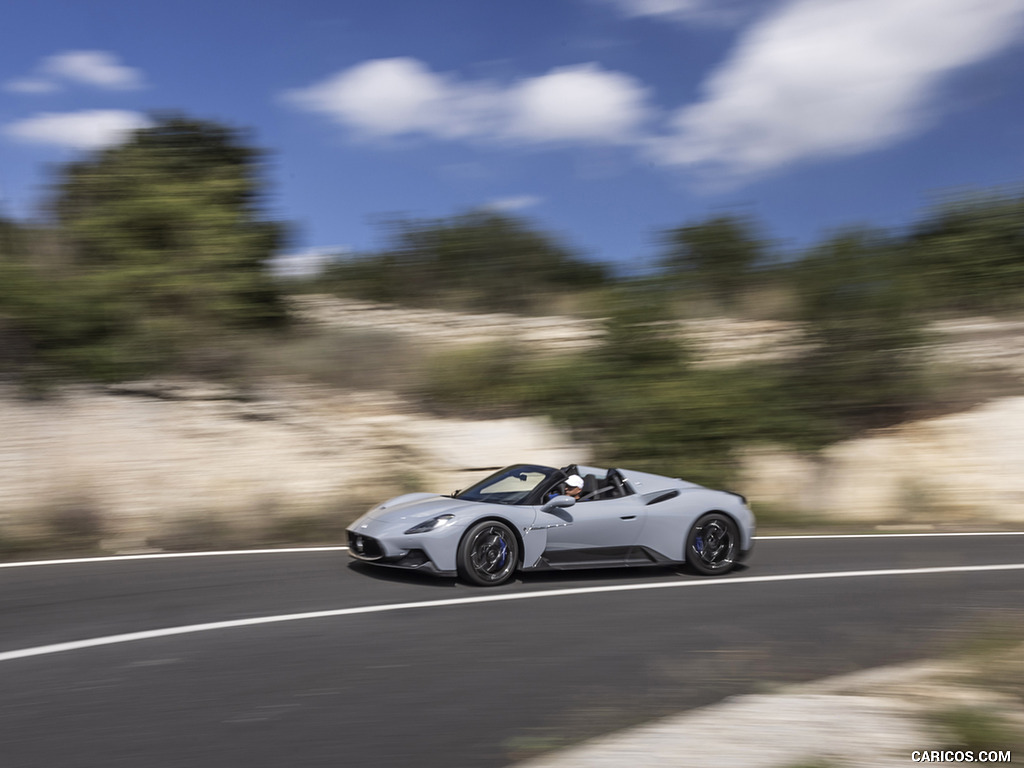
<point>592,533</point>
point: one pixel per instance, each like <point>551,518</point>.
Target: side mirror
<point>559,502</point>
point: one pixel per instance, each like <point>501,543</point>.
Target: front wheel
<point>713,544</point>
<point>488,554</point>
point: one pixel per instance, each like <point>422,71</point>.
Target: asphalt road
<point>476,684</point>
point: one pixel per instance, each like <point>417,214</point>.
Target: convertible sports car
<point>520,518</point>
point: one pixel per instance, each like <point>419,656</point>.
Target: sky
<point>603,122</point>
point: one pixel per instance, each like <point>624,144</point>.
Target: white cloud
<point>580,103</point>
<point>308,263</point>
<point>659,7</point>
<point>390,97</point>
<point>96,68</point>
<point>393,97</point>
<point>99,69</point>
<point>674,8</point>
<point>811,79</point>
<point>90,129</point>
<point>515,203</point>
<point>687,11</point>
<point>31,85</point>
<point>831,77</point>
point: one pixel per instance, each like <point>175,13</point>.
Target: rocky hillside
<point>964,468</point>
<point>974,342</point>
<point>154,459</point>
<point>718,341</point>
<point>148,458</point>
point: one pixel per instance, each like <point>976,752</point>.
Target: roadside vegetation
<point>480,261</point>
<point>989,666</point>
<point>151,258</point>
<point>79,527</point>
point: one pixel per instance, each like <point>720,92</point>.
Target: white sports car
<point>521,518</point>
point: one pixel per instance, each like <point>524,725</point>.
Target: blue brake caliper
<point>504,551</point>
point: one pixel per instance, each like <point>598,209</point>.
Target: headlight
<point>432,525</point>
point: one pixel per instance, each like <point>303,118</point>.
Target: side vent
<point>659,496</point>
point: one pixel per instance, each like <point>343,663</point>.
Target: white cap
<point>574,480</point>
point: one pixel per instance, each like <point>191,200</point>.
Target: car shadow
<point>597,575</point>
<point>538,578</point>
<point>402,576</point>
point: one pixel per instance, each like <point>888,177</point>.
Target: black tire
<point>488,554</point>
<point>713,545</point>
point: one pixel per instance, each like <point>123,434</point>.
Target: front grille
<point>364,547</point>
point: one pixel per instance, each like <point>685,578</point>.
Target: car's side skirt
<point>600,557</point>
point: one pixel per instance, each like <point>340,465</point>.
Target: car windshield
<point>512,485</point>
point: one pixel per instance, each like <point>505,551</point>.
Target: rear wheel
<point>713,544</point>
<point>488,554</point>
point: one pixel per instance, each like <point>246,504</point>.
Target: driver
<point>573,487</point>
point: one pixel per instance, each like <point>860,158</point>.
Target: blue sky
<point>602,121</point>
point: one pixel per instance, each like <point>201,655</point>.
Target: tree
<point>860,369</point>
<point>12,240</point>
<point>969,254</point>
<point>716,256</point>
<point>165,244</point>
<point>477,261</point>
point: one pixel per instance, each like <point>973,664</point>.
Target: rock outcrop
<point>964,467</point>
<point>147,455</point>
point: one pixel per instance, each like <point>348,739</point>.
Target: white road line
<point>152,634</point>
<point>169,555</point>
<point>283,550</point>
<point>887,535</point>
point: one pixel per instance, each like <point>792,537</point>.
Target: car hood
<point>415,507</point>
